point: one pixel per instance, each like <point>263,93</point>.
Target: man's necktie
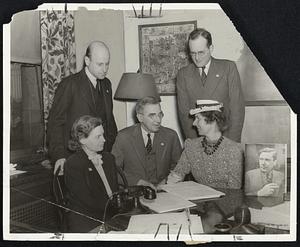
<point>98,86</point>
<point>203,74</point>
<point>149,144</point>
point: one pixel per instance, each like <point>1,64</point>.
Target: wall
<point>227,44</point>
<point>25,42</point>
<point>107,26</point>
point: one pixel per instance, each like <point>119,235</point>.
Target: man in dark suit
<point>85,93</point>
<point>147,151</point>
<point>265,180</point>
<point>211,79</point>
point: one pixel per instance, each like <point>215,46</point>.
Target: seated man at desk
<point>90,177</point>
<point>265,180</point>
<point>213,159</point>
<point>147,151</point>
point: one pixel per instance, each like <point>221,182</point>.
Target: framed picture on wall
<point>162,49</point>
<point>265,170</point>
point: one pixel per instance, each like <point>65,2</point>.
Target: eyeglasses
<point>153,115</point>
<point>199,53</point>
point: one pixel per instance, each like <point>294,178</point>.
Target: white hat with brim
<point>206,105</point>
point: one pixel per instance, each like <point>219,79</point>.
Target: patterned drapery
<point>58,52</point>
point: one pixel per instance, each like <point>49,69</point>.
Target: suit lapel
<point>138,144</point>
<point>214,75</point>
<point>159,145</point>
<point>86,90</point>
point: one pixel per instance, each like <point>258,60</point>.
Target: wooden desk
<point>214,211</point>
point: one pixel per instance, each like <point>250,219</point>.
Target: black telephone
<point>128,199</point>
<point>241,225</point>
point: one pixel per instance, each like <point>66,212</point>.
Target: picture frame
<point>266,165</point>
<point>162,51</point>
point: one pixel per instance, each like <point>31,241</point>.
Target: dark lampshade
<point>135,86</point>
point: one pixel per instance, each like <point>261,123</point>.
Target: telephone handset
<point>128,198</point>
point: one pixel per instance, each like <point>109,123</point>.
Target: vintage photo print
<point>141,38</point>
<point>266,170</point>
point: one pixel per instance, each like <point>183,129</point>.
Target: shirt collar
<point>92,78</point>
<point>145,135</point>
<point>206,67</point>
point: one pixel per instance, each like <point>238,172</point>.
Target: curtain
<point>58,52</point>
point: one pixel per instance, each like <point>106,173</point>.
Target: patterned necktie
<point>149,144</point>
<point>203,74</point>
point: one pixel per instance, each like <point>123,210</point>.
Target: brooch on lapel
<point>217,75</point>
<point>90,169</point>
<point>162,144</point>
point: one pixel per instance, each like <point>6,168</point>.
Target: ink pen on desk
<point>178,232</point>
<point>187,210</point>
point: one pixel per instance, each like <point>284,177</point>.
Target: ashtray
<point>222,228</point>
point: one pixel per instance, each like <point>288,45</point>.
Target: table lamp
<point>135,86</point>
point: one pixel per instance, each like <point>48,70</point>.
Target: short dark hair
<point>217,116</point>
<point>203,33</point>
<point>149,100</point>
<point>81,128</point>
<point>269,150</point>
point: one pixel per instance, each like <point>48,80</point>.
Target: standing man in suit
<point>209,78</point>
<point>85,93</point>
<point>265,181</point>
<point>147,151</point>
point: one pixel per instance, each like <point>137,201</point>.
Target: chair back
<point>58,188</point>
<point>122,181</point>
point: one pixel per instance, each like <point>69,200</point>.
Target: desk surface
<point>215,211</point>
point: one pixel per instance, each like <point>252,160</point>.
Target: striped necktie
<point>203,74</point>
<point>149,144</point>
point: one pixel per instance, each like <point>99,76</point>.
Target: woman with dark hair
<point>213,159</point>
<point>90,175</point>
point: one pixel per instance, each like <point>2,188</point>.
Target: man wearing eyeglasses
<point>147,151</point>
<point>210,79</point>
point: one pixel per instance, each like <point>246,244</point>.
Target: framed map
<point>162,50</point>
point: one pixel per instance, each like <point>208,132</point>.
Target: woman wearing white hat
<point>213,159</point>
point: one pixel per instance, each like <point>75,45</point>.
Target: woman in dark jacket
<point>90,175</point>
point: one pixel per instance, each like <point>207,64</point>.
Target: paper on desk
<point>148,224</point>
<point>166,202</point>
<point>191,190</point>
<point>276,217</point>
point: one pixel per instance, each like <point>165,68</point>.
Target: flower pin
<point>217,75</point>
<point>90,169</point>
<point>162,144</point>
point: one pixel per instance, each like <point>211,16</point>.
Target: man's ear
<point>87,60</point>
<point>139,117</point>
<point>211,48</point>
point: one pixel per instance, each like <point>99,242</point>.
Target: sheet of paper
<point>276,217</point>
<point>166,202</point>
<point>190,190</point>
<point>148,224</point>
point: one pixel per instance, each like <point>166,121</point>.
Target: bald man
<point>85,93</point>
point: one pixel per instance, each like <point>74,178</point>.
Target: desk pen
<point>187,210</point>
<point>178,232</point>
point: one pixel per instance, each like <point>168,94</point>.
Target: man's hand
<point>268,189</point>
<point>60,163</point>
<point>146,183</point>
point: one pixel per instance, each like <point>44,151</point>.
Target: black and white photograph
<point>148,122</point>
